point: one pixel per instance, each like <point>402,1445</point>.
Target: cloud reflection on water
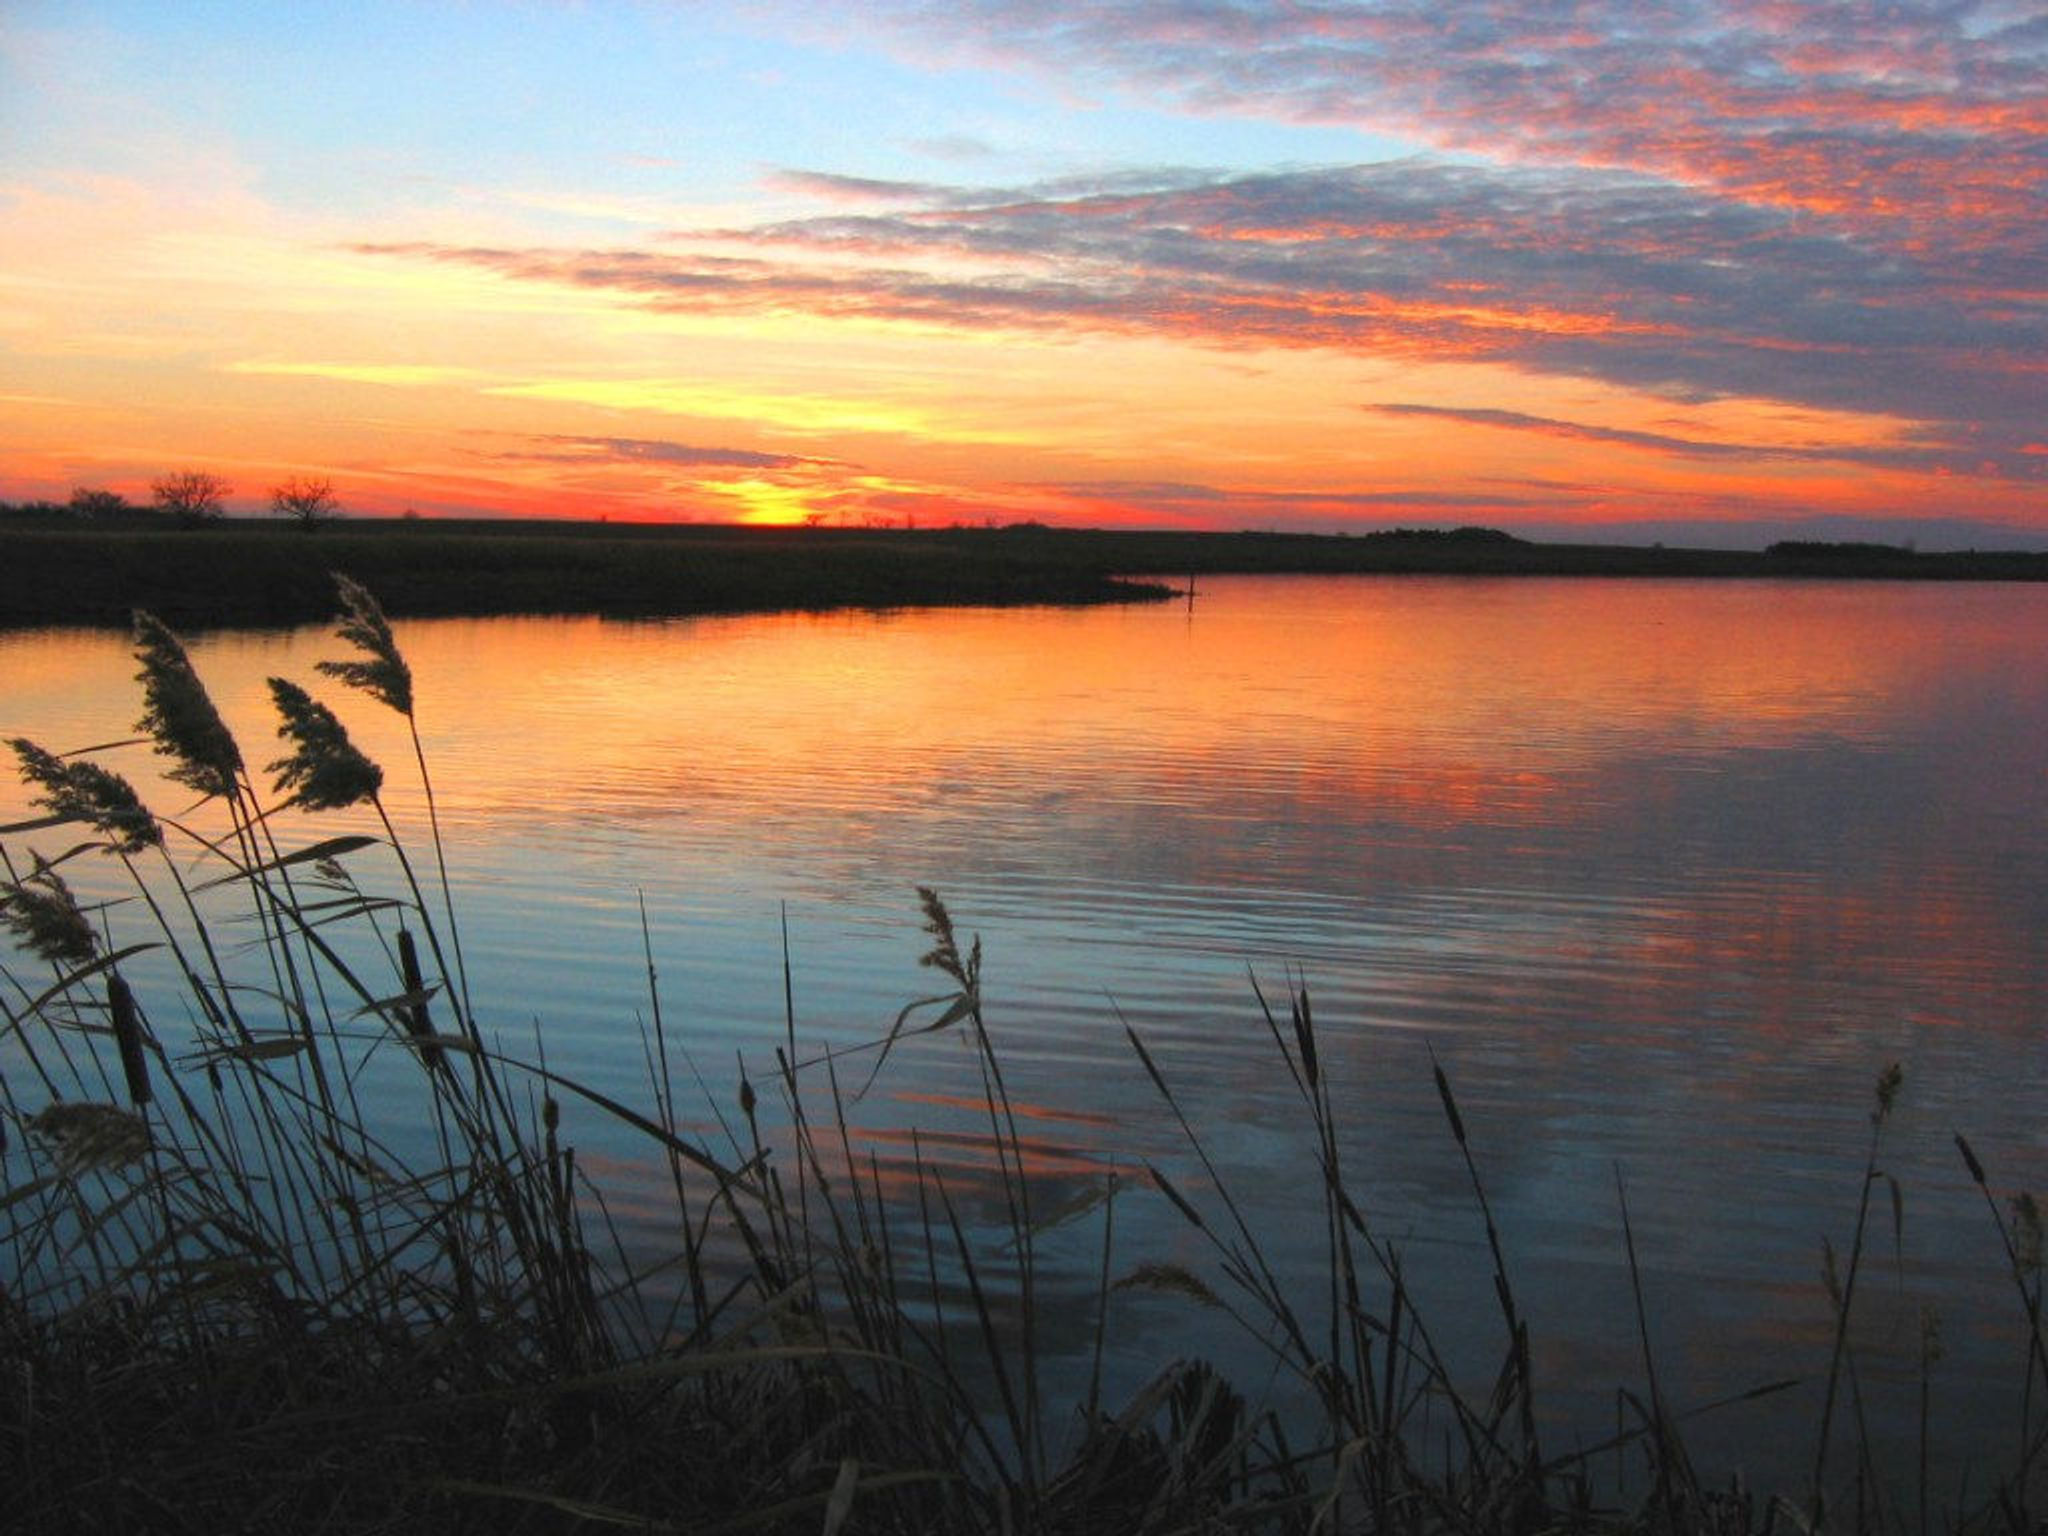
<point>1664,873</point>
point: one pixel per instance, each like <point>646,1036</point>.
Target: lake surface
<point>1664,874</point>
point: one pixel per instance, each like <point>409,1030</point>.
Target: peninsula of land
<point>256,572</point>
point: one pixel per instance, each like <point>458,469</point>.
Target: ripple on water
<point>1660,874</point>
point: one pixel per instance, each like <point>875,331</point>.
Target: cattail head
<point>1969,1158</point>
<point>413,1015</point>
<point>325,770</point>
<point>41,912</point>
<point>83,791</point>
<point>1443,1091</point>
<point>1165,1186</point>
<point>179,716</point>
<point>127,1021</point>
<point>1305,1035</point>
<point>384,674</point>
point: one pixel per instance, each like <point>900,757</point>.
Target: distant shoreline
<point>260,574</point>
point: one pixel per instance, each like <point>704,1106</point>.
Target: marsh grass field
<point>62,571</point>
<point>295,1242</point>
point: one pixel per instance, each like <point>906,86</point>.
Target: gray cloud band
<point>1591,274</point>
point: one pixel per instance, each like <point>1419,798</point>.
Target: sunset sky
<point>1639,269</point>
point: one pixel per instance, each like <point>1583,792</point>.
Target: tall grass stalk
<point>1842,1284</point>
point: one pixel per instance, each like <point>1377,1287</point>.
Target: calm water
<point>1663,873</point>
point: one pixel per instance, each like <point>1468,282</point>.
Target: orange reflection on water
<point>1934,919</point>
<point>968,1152</point>
<point>1455,699</point>
<point>1022,1111</point>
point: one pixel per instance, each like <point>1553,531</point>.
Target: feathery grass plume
<point>2026,1231</point>
<point>45,916</point>
<point>326,771</point>
<point>179,714</point>
<point>1169,1279</point>
<point>89,1138</point>
<point>84,791</point>
<point>944,955</point>
<point>385,675</point>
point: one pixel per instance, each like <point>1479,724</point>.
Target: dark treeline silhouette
<point>1837,549</point>
<point>90,505</point>
<point>1466,535</point>
<point>185,498</point>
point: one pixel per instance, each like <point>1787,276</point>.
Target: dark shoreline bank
<point>256,573</point>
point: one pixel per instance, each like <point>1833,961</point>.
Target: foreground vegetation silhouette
<point>292,1241</point>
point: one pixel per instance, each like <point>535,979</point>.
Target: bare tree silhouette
<point>192,496</point>
<point>306,501</point>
